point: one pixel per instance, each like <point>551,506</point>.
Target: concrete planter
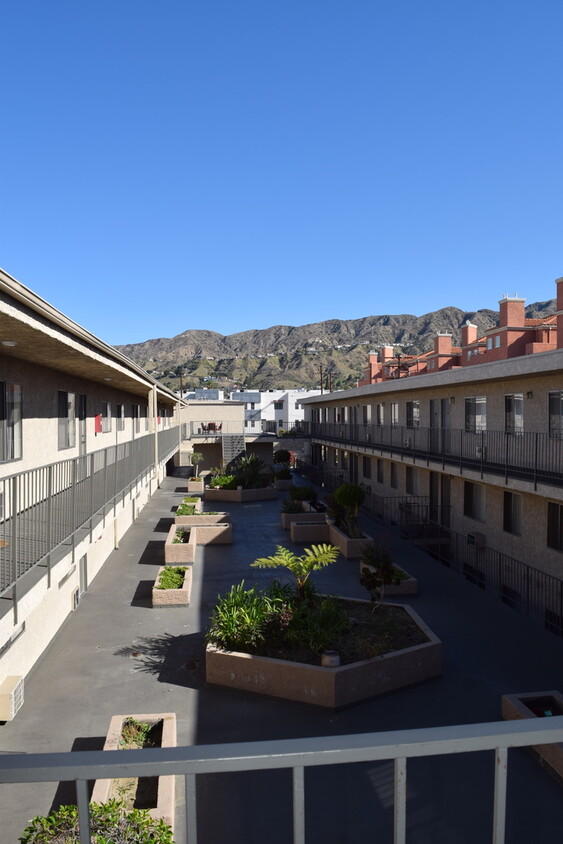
<point>203,519</point>
<point>172,597</point>
<point>320,531</point>
<point>309,518</point>
<point>166,784</point>
<point>195,485</point>
<point>181,553</point>
<point>528,705</point>
<point>394,590</point>
<point>328,687</point>
<point>240,496</point>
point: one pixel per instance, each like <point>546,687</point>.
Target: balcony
<point>533,457</point>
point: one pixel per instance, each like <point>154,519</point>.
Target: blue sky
<point>232,165</point>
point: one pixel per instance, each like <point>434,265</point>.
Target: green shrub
<point>172,577</point>
<point>224,482</point>
<point>239,618</point>
<point>302,493</point>
<point>110,822</point>
<point>282,455</point>
<point>181,535</point>
<point>291,506</point>
<point>186,509</point>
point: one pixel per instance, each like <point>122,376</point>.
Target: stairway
<point>234,447</point>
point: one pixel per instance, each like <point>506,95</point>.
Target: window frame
<point>66,419</point>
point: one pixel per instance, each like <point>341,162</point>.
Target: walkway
<point>117,654</point>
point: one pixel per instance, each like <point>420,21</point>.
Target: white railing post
<point>499,817</point>
<point>299,805</point>
<point>83,811</point>
<point>400,814</point>
<point>191,809</point>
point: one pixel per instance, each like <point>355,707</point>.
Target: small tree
<point>314,558</point>
<point>282,455</point>
<point>351,497</point>
<point>196,458</point>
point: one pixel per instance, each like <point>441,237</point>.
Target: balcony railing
<point>534,457</point>
<point>295,755</point>
<point>44,507</point>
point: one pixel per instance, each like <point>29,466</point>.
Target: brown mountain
<point>292,356</point>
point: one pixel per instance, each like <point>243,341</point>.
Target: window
<point>474,501</point>
<point>253,424</point>
<point>512,513</point>
<point>106,417</point>
<point>410,480</point>
<point>67,419</point>
<point>145,414</point>
<point>379,414</point>
<point>366,467</point>
<point>497,341</point>
<point>366,414</point>
<point>380,476</point>
<point>514,413</point>
<point>555,400</point>
<point>476,414</point>
<point>413,414</point>
<point>278,405</point>
<point>10,421</point>
<point>394,413</point>
<point>120,417</point>
<point>554,525</point>
<point>394,478</point>
<point>489,342</point>
<point>250,405</point>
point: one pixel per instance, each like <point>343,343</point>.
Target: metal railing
<point>536,457</point>
<point>44,507</point>
<point>296,755</point>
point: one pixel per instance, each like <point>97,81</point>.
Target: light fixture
<point>9,343</point>
<point>107,379</point>
<point>452,399</point>
<point>529,394</point>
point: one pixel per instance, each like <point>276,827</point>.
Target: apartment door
<point>435,425</point>
<point>434,497</point>
<point>83,575</point>
<point>445,501</point>
<point>445,422</point>
<point>82,426</point>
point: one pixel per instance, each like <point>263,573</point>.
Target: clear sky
<point>237,164</point>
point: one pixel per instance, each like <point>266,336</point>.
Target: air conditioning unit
<point>479,540</point>
<point>481,452</point>
<point>11,697</point>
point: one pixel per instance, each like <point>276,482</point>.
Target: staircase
<point>233,447</point>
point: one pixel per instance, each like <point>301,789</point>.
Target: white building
<point>272,410</point>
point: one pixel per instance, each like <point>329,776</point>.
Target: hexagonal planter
<point>328,687</point>
<point>179,597</point>
<point>317,531</point>
<point>203,519</point>
<point>537,705</point>
<point>305,518</point>
<point>240,496</point>
<point>166,786</point>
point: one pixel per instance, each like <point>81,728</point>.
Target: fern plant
<point>314,558</point>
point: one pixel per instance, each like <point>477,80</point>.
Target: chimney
<point>559,283</point>
<point>468,333</point>
<point>443,343</point>
<point>388,353</point>
<point>511,311</point>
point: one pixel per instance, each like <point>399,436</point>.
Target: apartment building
<point>272,410</point>
<point>467,458</point>
<point>85,435</point>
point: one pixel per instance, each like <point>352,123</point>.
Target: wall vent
<point>11,697</point>
<point>75,598</point>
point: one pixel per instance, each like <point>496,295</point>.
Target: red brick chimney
<point>443,343</point>
<point>511,311</point>
<point>468,333</point>
<point>387,353</point>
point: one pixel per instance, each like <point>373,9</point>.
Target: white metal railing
<point>296,754</point>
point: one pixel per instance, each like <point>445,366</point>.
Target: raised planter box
<point>203,519</point>
<point>537,705</point>
<point>394,590</point>
<point>195,486</point>
<point>308,518</point>
<point>180,553</point>
<point>301,531</point>
<point>328,687</point>
<point>166,792</point>
<point>172,597</point>
<point>240,496</point>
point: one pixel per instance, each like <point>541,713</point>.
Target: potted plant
<point>380,575</point>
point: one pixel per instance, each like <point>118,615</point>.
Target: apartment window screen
<point>106,417</point>
<point>514,413</point>
<point>394,413</point>
<point>413,414</point>
<point>476,414</point>
<point>379,414</point>
<point>135,418</point>
<point>67,419</point>
<point>120,417</point>
<point>10,421</point>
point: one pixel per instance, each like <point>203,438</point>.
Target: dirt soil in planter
<point>372,633</point>
<point>139,793</point>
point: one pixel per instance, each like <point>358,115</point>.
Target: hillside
<point>286,356</point>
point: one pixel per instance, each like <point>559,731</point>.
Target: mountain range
<point>287,356</point>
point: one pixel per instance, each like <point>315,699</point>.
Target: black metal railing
<point>531,456</point>
<point>42,508</point>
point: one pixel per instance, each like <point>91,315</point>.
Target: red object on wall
<point>98,423</point>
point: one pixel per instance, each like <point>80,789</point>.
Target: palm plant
<point>314,558</point>
<point>250,471</point>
